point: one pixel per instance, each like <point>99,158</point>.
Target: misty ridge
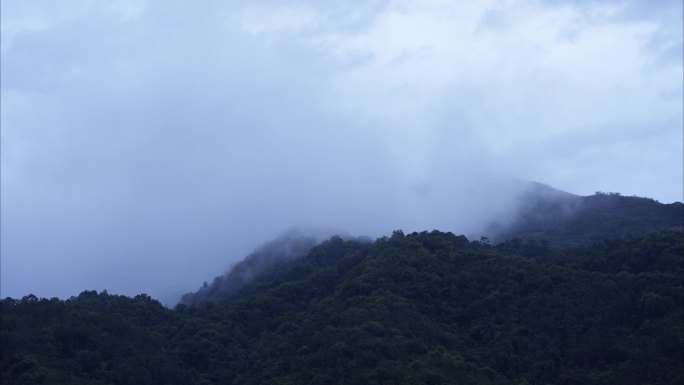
<point>542,213</point>
<point>268,258</point>
<point>566,219</point>
<point>501,198</point>
<point>470,203</point>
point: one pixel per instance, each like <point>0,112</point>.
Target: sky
<point>148,145</point>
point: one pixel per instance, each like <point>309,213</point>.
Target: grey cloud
<point>145,150</point>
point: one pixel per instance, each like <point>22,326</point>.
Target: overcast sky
<point>147,145</point>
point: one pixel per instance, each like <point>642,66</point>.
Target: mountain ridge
<point>566,219</point>
<point>561,218</point>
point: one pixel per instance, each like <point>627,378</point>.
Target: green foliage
<point>421,308</point>
<point>90,339</point>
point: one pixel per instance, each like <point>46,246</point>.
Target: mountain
<point>544,213</point>
<point>420,308</point>
<point>565,219</point>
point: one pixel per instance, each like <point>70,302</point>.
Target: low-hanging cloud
<point>148,145</point>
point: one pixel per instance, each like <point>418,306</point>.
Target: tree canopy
<point>420,308</point>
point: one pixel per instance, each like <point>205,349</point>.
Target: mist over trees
<point>565,219</point>
<point>151,146</point>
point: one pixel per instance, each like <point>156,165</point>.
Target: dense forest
<point>420,308</point>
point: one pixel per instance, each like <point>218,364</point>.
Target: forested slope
<point>565,219</point>
<point>269,258</point>
<point>422,308</point>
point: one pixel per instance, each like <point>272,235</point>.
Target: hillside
<point>265,261</point>
<point>422,308</point>
<point>268,258</point>
<point>565,219</point>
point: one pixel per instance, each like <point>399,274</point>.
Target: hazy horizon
<point>149,145</point>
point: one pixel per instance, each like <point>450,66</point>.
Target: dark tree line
<point>421,308</point>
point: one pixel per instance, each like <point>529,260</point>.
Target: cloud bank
<point>148,145</point>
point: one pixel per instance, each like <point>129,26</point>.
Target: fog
<point>149,145</point>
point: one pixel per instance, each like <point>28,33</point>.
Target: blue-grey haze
<point>147,145</point>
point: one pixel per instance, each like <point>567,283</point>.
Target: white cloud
<point>540,72</point>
